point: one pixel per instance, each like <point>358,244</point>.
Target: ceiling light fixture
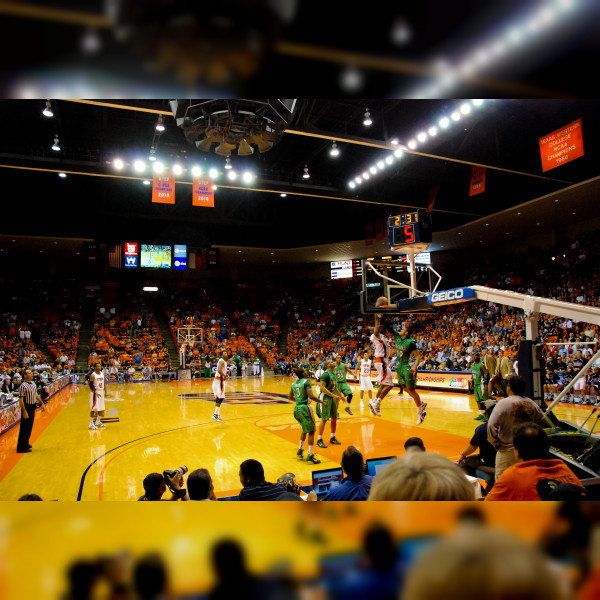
<point>306,174</point>
<point>118,163</point>
<point>47,112</point>
<point>228,163</point>
<point>368,121</point>
<point>56,146</point>
<point>139,165</point>
<point>62,176</point>
<point>196,171</point>
<point>152,155</point>
<point>160,126</point>
<point>334,150</point>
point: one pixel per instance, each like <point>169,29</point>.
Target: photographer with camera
<point>155,485</point>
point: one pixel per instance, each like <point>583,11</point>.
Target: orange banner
<point>163,189</point>
<point>477,181</point>
<point>562,146</point>
<point>203,192</point>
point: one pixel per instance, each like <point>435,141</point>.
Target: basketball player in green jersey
<point>406,349</point>
<point>478,369</point>
<point>340,371</point>
<point>301,393</point>
<point>330,395</point>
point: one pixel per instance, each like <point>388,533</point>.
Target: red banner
<point>369,233</point>
<point>203,192</point>
<point>163,189</point>
<point>477,181</point>
<point>561,146</point>
<point>431,199</point>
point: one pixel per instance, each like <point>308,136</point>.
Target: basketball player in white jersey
<point>218,386</point>
<point>382,344</point>
<point>380,353</point>
<point>363,374</point>
<point>96,384</point>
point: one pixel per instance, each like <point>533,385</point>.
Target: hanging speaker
<point>263,145</point>
<point>224,148</point>
<point>245,149</point>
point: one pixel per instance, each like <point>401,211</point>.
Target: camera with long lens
<point>169,474</point>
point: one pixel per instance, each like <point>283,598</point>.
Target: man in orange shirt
<point>535,474</point>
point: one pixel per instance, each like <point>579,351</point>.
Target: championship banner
<point>203,193</point>
<point>477,181</point>
<point>562,146</point>
<point>163,189</point>
<point>431,198</point>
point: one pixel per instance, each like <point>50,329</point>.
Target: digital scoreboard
<point>343,269</point>
<point>410,232</point>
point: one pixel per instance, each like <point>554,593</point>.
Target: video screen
<point>155,256</point>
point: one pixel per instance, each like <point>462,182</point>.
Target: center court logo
<point>241,398</point>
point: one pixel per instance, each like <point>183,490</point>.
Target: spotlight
<point>47,112</point>
<point>422,136</point>
<point>196,171</point>
<point>306,174</point>
<point>62,175</point>
<point>232,175</point>
<point>455,116</point>
<point>352,184</point>
<point>177,169</point>
<point>465,108</point>
<point>283,195</point>
<point>158,167</point>
<point>118,163</point>
<point>373,170</point>
<point>477,102</point>
<point>412,144</point>
<point>247,177</point>
<point>444,122</point>
<point>398,153</point>
<point>227,163</point>
<point>432,131</point>
<point>394,142</point>
<point>380,164</point>
<point>139,165</point>
<point>160,125</point>
<point>146,182</point>
<point>152,154</point>
<point>334,150</point>
<point>389,160</point>
<point>368,121</point>
<point>56,146</point>
<point>213,173</point>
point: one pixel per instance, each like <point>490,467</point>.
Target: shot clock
<point>410,232</point>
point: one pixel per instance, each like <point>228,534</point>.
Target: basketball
<point>382,301</point>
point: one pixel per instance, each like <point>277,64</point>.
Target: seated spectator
<point>414,444</point>
<point>252,477</point>
<point>155,487</point>
<point>30,497</point>
<point>150,578</point>
<point>421,476</point>
<point>356,485</point>
<point>200,485</point>
<point>535,475</point>
<point>466,567</point>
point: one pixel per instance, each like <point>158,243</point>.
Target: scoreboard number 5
<point>409,235</point>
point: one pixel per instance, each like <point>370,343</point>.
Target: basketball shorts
<point>218,387</point>
<point>387,375</point>
<point>406,377</point>
<point>365,383</point>
<point>98,405</point>
<point>478,391</point>
<point>379,367</point>
<point>304,415</point>
<point>579,384</point>
<point>328,411</point>
<point>344,388</point>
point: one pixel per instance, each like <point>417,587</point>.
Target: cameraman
<point>155,485</point>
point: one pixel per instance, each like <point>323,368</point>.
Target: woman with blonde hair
<point>421,476</point>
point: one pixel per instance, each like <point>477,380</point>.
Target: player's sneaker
<point>479,418</point>
<point>218,418</point>
<point>401,390</point>
<point>422,415</point>
<point>313,459</point>
<point>300,453</point>
<point>347,409</point>
<point>100,425</point>
<point>92,426</point>
<point>423,405</point>
<point>335,442</point>
<point>321,444</point>
<point>373,408</point>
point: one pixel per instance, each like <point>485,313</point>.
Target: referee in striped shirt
<point>28,397</point>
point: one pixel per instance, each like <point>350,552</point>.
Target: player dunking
<point>96,383</point>
<point>218,386</point>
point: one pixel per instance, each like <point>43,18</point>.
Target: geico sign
<point>454,295</point>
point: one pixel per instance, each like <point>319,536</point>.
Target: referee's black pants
<point>25,428</point>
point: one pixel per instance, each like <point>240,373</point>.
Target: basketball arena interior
<point>149,237</point>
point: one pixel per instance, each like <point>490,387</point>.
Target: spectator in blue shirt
<point>356,485</point>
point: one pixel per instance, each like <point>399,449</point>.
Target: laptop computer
<point>325,480</point>
<point>374,465</point>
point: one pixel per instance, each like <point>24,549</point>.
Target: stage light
<point>196,171</point>
<point>213,173</point>
<point>432,131</point>
<point>56,146</point>
<point>422,136</point>
<point>389,160</point>
<point>118,163</point>
<point>177,169</point>
<point>159,167</point>
<point>160,124</point>
<point>352,184</point>
<point>380,165</point>
<point>139,165</point>
<point>398,153</point>
<point>334,150</point>
<point>373,170</point>
<point>465,108</point>
<point>232,175</point>
<point>455,116</point>
<point>247,177</point>
<point>444,122</point>
<point>412,144</point>
<point>47,112</point>
<point>368,121</point>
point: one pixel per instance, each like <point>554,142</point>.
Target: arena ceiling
<point>95,201</point>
